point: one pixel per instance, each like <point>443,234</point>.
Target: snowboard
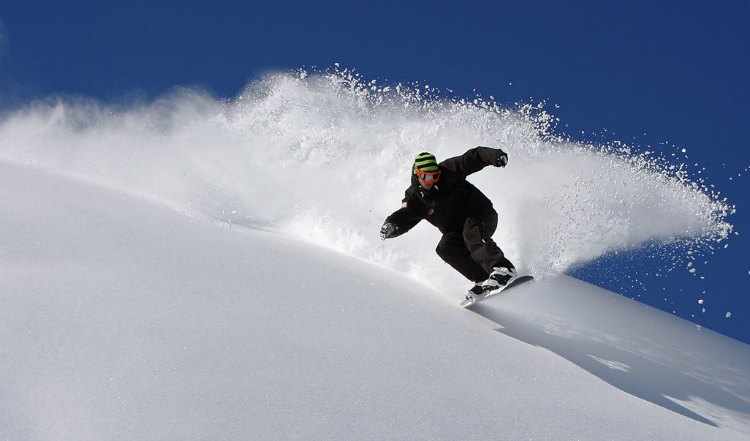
<point>514,282</point>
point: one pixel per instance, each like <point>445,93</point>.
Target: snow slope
<point>124,320</point>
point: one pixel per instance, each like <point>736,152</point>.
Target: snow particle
<point>728,314</point>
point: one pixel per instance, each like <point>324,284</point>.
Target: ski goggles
<point>428,176</point>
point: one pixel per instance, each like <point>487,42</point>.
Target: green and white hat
<point>425,162</point>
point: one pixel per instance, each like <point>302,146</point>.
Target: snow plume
<point>326,156</point>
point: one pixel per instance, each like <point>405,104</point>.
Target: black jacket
<point>452,199</point>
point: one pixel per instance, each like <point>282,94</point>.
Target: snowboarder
<point>441,194</point>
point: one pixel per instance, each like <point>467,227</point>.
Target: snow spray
<point>326,156</point>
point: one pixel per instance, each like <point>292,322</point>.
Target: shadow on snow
<point>627,371</point>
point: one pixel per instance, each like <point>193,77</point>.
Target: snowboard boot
<point>474,293</point>
<point>499,277</point>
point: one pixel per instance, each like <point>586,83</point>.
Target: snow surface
<point>125,320</point>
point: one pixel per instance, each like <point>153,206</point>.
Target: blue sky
<point>648,73</point>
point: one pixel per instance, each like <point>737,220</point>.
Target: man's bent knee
<point>472,233</point>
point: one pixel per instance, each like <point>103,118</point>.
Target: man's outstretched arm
<point>398,223</point>
<point>476,159</point>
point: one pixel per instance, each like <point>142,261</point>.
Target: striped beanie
<point>426,162</point>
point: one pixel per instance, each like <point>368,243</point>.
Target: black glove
<point>502,159</point>
<point>388,230</point>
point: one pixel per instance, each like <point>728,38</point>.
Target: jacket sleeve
<point>472,161</point>
<point>406,217</point>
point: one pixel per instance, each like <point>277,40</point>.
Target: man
<point>441,194</point>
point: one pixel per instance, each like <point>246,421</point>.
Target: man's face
<point>428,179</point>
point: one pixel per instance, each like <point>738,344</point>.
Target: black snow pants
<point>472,252</point>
